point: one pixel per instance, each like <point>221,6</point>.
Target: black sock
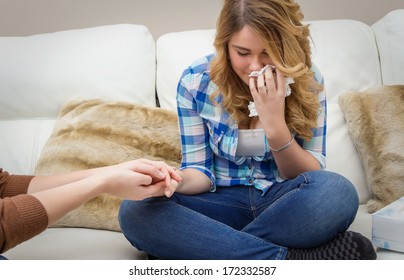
<point>347,246</point>
<point>151,257</point>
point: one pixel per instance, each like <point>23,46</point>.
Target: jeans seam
<point>274,203</point>
<point>306,180</point>
<point>271,206</point>
<point>252,203</point>
<point>217,203</point>
<point>240,231</point>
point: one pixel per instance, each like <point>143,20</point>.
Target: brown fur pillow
<point>375,121</point>
<point>93,133</point>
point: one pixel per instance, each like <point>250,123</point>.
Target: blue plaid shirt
<point>209,136</point>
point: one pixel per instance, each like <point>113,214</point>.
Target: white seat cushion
<point>76,244</point>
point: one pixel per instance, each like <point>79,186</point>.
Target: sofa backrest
<point>389,33</point>
<point>174,53</point>
<point>39,73</point>
<point>345,52</point>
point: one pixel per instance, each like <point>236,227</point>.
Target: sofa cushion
<point>174,53</point>
<point>375,121</point>
<point>93,133</point>
<point>359,70</point>
<point>389,33</point>
<point>75,244</point>
<point>352,66</point>
<point>102,62</point>
<point>40,72</point>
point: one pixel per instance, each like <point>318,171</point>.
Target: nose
<point>256,64</point>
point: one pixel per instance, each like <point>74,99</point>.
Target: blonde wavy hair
<point>286,39</point>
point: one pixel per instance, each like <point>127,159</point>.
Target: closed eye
<point>242,53</point>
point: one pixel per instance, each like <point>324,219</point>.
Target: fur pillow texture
<point>94,133</point>
<point>375,120</point>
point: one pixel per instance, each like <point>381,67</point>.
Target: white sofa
<point>123,62</point>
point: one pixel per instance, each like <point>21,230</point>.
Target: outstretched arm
<point>134,180</point>
<point>51,197</point>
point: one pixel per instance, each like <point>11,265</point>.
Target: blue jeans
<point>240,222</point>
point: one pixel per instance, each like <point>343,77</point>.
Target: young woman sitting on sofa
<point>29,204</point>
<point>253,145</point>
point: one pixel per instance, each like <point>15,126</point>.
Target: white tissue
<point>288,91</point>
<point>251,107</point>
<point>260,72</point>
<point>288,81</point>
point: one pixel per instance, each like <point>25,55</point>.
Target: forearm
<point>60,200</point>
<point>294,160</point>
<point>193,182</point>
<point>41,183</point>
<point>290,158</point>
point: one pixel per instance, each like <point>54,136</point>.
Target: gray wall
<point>26,17</point>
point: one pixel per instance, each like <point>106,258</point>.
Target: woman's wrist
<point>180,185</point>
<point>278,136</point>
<point>284,147</point>
<point>193,182</point>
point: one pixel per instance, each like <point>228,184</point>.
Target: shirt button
<point>251,181</point>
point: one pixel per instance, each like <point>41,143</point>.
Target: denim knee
<point>339,191</point>
<point>129,213</point>
<point>129,217</point>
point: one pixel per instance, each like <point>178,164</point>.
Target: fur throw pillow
<point>375,120</point>
<point>93,133</point>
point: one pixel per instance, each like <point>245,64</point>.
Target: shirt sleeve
<point>317,145</point>
<point>196,152</point>
<point>22,216</point>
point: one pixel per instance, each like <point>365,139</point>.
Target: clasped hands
<point>139,179</point>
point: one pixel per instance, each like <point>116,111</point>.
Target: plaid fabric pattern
<point>209,136</point>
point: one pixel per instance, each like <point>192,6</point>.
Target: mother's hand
<point>157,170</point>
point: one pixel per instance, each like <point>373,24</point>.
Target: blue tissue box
<point>388,226</point>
